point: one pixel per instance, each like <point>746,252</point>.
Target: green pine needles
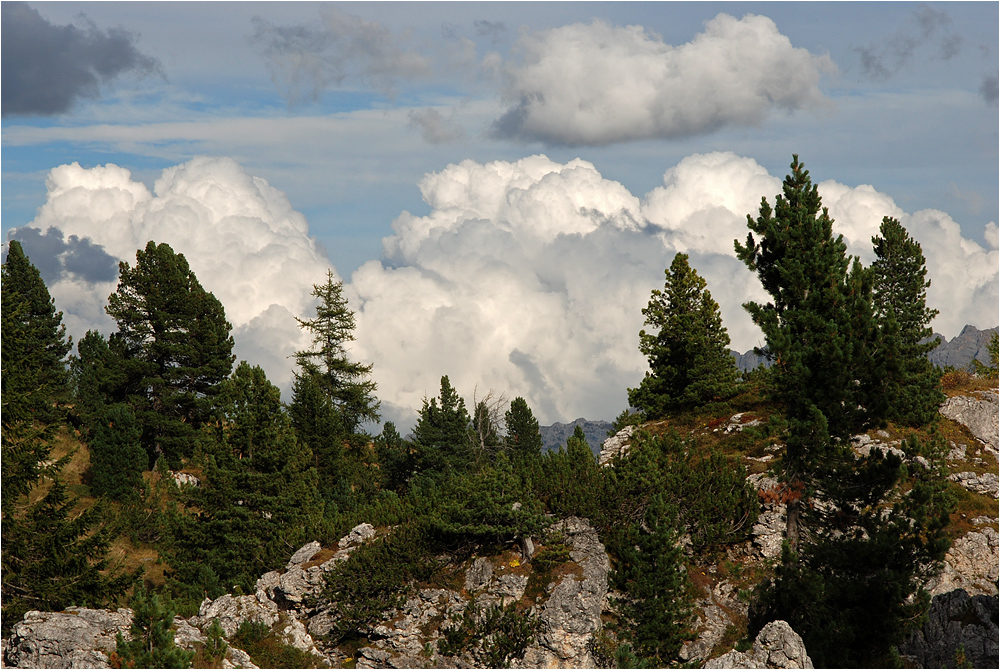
<point>689,358</point>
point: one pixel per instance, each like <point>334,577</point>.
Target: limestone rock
<point>572,614</point>
<point>776,646</point>
<point>358,535</point>
<point>715,615</point>
<point>231,611</point>
<point>971,564</point>
<point>957,619</point>
<point>479,574</point>
<point>237,658</point>
<point>986,484</point>
<point>981,415</point>
<point>616,445</point>
<point>303,555</point>
<point>76,638</point>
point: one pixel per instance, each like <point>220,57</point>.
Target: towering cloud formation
<point>241,237</point>
<point>527,278</point>
<point>597,84</point>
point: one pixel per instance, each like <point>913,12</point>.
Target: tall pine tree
<point>346,384</point>
<point>36,349</point>
<point>900,297</point>
<point>441,438</point>
<point>523,439</point>
<point>174,345</point>
<point>688,354</point>
<point>858,551</point>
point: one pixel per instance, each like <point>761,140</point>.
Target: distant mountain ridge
<point>555,436</point>
<point>970,344</point>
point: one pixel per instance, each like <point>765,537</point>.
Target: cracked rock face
<point>76,638</point>
<point>616,445</point>
<point>981,415</point>
<point>971,564</point>
<point>572,614</point>
<point>957,619</point>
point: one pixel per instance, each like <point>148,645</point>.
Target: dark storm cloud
<point>46,68</point>
<point>885,59</point>
<point>54,256</point>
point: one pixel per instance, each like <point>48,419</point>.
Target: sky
<point>500,186</point>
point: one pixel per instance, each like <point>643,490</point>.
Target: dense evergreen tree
<point>317,425</point>
<point>484,433</point>
<point>174,345</point>
<point>820,332</point>
<point>258,500</point>
<point>117,458</point>
<point>35,342</point>
<point>688,354</point>
<point>900,298</point>
<point>394,458</point>
<point>441,437</point>
<point>523,439</point>
<point>97,378</point>
<point>860,542</point>
<point>346,384</point>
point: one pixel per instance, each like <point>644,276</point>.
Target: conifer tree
<point>174,345</point>
<point>35,342</point>
<point>97,378</point>
<point>524,440</point>
<point>318,426</point>
<point>258,496</point>
<point>441,435</point>
<point>900,298</point>
<point>345,383</point>
<point>688,354</point>
<point>117,459</point>
<point>861,542</point>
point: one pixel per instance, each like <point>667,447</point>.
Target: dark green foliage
<point>97,378</point>
<point>829,369</point>
<point>215,643</point>
<point>376,578</point>
<point>856,592</point>
<point>34,343</point>
<point>991,369</point>
<point>504,633</point>
<point>174,345</point>
<point>318,426</point>
<point>258,499</point>
<point>152,642</point>
<point>484,434</point>
<point>523,439</point>
<point>117,459</point>
<point>267,650</point>
<point>345,384</point>
<point>689,359</point>
<point>394,458</point>
<point>568,481</point>
<point>54,557</point>
<point>490,506</point>
<point>899,295</point>
<point>648,571</point>
<point>441,438</point>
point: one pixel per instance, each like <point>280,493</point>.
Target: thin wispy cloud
<point>926,31</point>
<point>48,68</point>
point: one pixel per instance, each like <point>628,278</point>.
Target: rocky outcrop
<point>957,625</point>
<point>615,446</point>
<point>572,614</point>
<point>970,344</point>
<point>985,483</point>
<point>972,563</point>
<point>302,579</point>
<point>776,646</point>
<point>980,414</point>
<point>715,614</point>
<point>76,638</point>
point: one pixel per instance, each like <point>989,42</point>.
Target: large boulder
<point>76,638</point>
<point>776,646</point>
<point>971,563</point>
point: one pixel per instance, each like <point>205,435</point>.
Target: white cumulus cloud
<point>526,277</point>
<point>240,236</point>
<point>594,84</point>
